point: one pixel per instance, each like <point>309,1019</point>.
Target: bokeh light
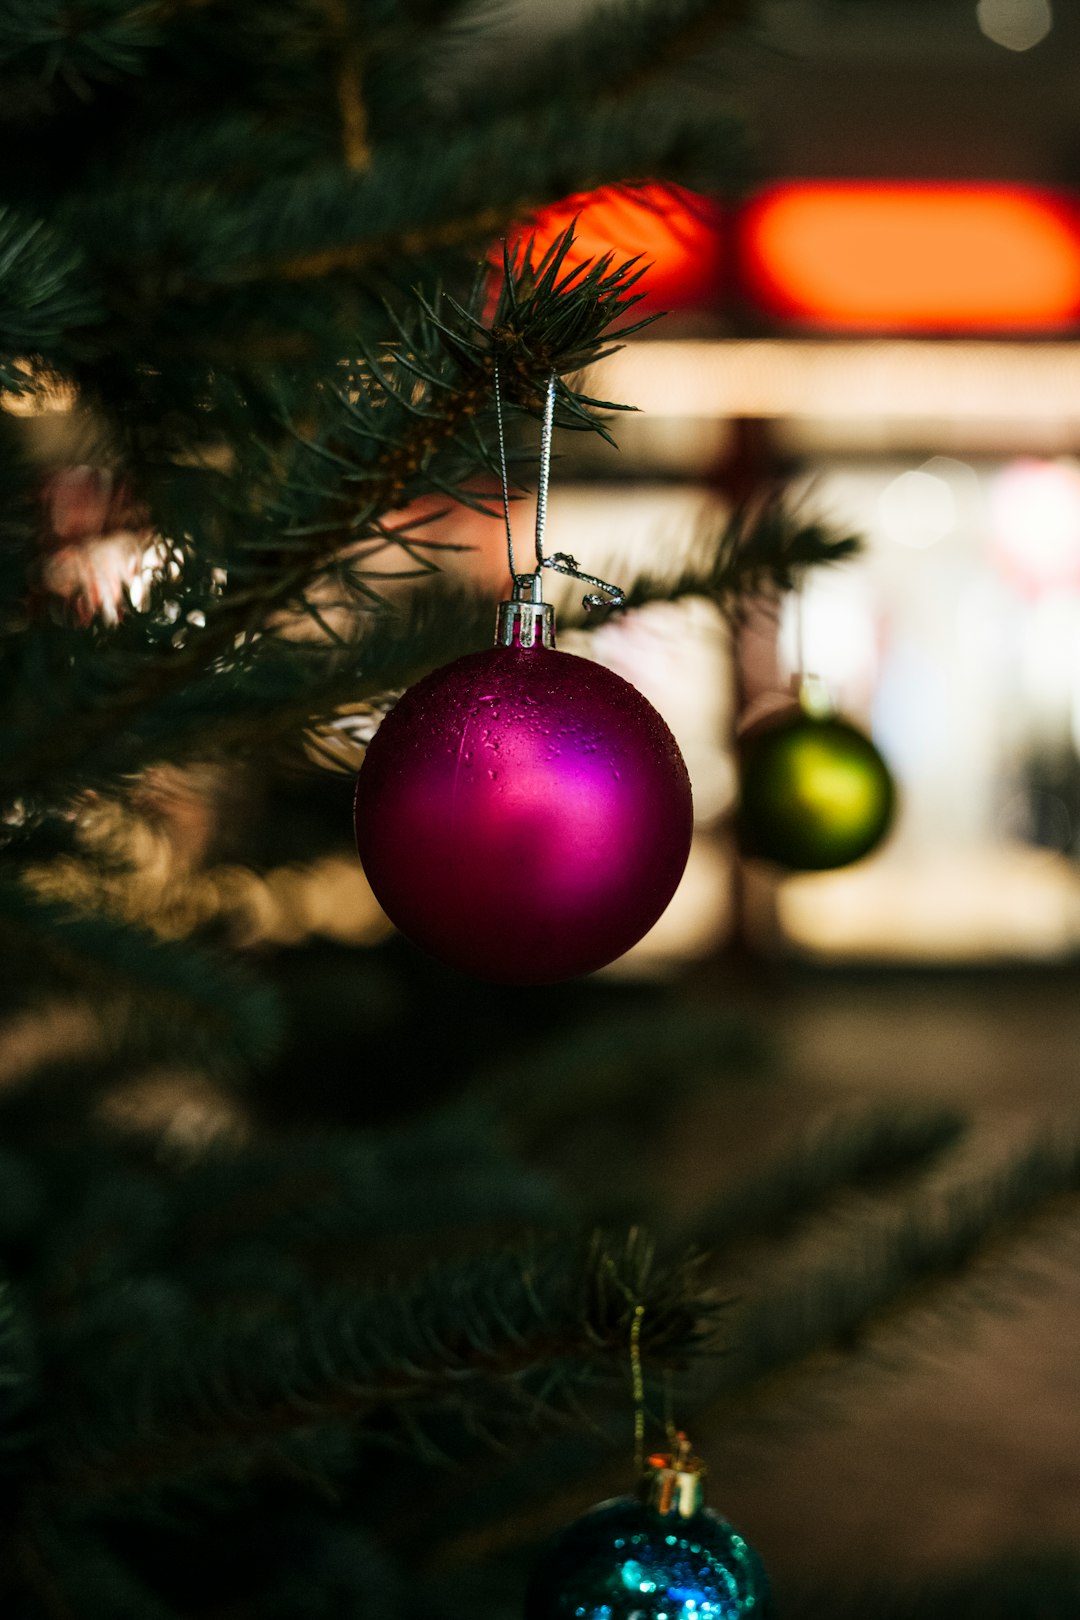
<point>917,509</point>
<point>904,256</point>
<point>676,232</point>
<point>1035,523</point>
<point>1015,24</point>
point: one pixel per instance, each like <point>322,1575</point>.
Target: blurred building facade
<point>936,412</point>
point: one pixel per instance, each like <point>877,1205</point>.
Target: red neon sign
<point>891,256</point>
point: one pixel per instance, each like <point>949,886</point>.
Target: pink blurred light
<point>1035,524</point>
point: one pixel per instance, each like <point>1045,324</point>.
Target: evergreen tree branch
<point>827,1314</point>
<point>355,136</point>
<point>29,1572</point>
<point>190,706</point>
<point>70,1572</point>
<point>635,43</point>
<point>417,200</point>
<point>473,1334</point>
<point>625,1062</point>
<point>903,1263</point>
<point>622,48</point>
<point>268,703</point>
<point>156,991</point>
<point>388,440</point>
<point>98,42</point>
<point>18,1383</point>
<point>193,703</point>
<point>446,1172</point>
<point>765,549</point>
<point>867,1152</point>
<point>45,296</point>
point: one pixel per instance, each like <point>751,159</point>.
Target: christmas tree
<point>313,1302</point>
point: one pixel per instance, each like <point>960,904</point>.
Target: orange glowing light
<point>913,257</point>
<point>676,232</point>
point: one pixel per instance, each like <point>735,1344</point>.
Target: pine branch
<point>867,1152</point>
<point>902,1263</point>
<point>22,1424</point>
<point>448,190</point>
<point>18,1384</point>
<point>626,1062</point>
<point>215,712</point>
<point>352,106</point>
<point>193,707</point>
<point>45,296</point>
<point>646,40</point>
<point>394,441</point>
<point>447,1172</point>
<point>828,1311</point>
<point>69,1572</point>
<point>765,549</point>
<point>173,712</point>
<point>204,699</point>
<point>96,1280</point>
<point>98,42</point>
<point>620,49</point>
<point>23,1206</point>
<point>473,1335</point>
<point>156,991</point>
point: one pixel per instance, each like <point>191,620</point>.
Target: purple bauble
<point>523,814</point>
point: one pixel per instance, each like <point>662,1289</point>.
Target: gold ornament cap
<point>674,1481</point>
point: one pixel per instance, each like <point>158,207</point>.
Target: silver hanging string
<point>561,562</point>
<point>503,472</point>
<point>545,470</point>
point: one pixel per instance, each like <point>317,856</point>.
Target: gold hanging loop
<point>637,1385</point>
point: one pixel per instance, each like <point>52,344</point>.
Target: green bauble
<point>664,1557</point>
<point>816,794</point>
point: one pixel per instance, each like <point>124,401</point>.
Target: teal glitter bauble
<point>632,1560</point>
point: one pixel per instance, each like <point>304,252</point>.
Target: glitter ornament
<point>660,1556</point>
<point>523,814</point>
<point>815,792</point>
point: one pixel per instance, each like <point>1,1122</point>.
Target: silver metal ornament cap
<point>814,698</point>
<point>526,619</point>
<point>673,1484</point>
